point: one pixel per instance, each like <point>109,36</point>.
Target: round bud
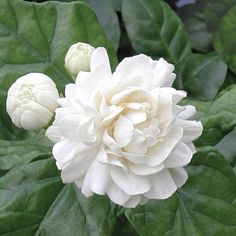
<point>31,101</point>
<point>78,58</point>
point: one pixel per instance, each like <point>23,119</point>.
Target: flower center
<point>26,93</point>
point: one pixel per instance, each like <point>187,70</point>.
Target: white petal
<point>117,195</point>
<point>122,96</point>
<point>133,201</point>
<point>99,176</point>
<point>112,159</point>
<point>143,200</point>
<point>136,66</point>
<point>65,150</point>
<point>110,142</point>
<point>181,156</point>
<point>145,170</point>
<point>159,152</point>
<point>136,157</point>
<point>100,58</point>
<point>163,186</point>
<point>87,84</point>
<point>136,117</point>
<point>163,76</point>
<point>137,144</point>
<point>187,113</point>
<point>179,175</point>
<point>53,134</point>
<point>192,129</point>
<point>77,168</point>
<point>177,95</point>
<point>113,114</point>
<point>123,131</point>
<point>128,182</point>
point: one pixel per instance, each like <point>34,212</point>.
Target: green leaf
<point>124,228</point>
<point>36,37</point>
<point>224,40</point>
<point>116,4</point>
<point>203,75</point>
<point>14,154</point>
<point>218,117</point>
<point>214,11</point>
<point>33,201</point>
<point>227,148</point>
<point>195,23</point>
<point>155,29</point>
<point>108,19</point>
<point>206,205</point>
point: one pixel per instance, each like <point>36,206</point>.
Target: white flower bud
<point>31,101</point>
<point>78,58</point>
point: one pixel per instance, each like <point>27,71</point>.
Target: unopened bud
<point>78,58</point>
<point>31,101</point>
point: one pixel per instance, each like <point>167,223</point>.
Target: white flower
<point>31,101</point>
<point>123,134</point>
<point>78,58</point>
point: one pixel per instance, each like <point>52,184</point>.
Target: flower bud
<point>78,58</point>
<point>31,101</point>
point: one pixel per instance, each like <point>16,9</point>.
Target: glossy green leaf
<point>214,11</point>
<point>108,19</point>
<point>195,23</point>
<point>36,37</point>
<point>124,228</point>
<point>116,4</point>
<point>224,40</point>
<point>33,201</point>
<point>15,153</point>
<point>218,117</point>
<point>105,11</point>
<point>203,75</point>
<point>154,29</point>
<point>206,205</point>
<point>227,148</point>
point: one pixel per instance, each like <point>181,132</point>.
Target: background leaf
<point>227,148</point>
<point>204,206</point>
<point>194,19</point>
<point>36,37</point>
<point>218,117</point>
<point>214,11</point>
<point>224,40</point>
<point>15,153</point>
<point>154,29</point>
<point>108,19</point>
<point>33,201</point>
<point>203,75</point>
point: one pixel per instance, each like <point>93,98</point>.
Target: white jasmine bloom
<point>31,101</point>
<point>122,134</point>
<point>78,58</point>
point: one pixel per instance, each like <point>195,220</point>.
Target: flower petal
<point>159,152</point>
<point>137,66</point>
<point>133,201</point>
<point>137,144</point>
<point>77,168</point>
<point>163,76</point>
<point>99,58</point>
<point>117,195</point>
<point>181,156</point>
<point>163,186</point>
<point>145,170</point>
<point>187,113</point>
<point>192,129</point>
<point>179,175</point>
<point>123,131</point>
<point>130,183</point>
